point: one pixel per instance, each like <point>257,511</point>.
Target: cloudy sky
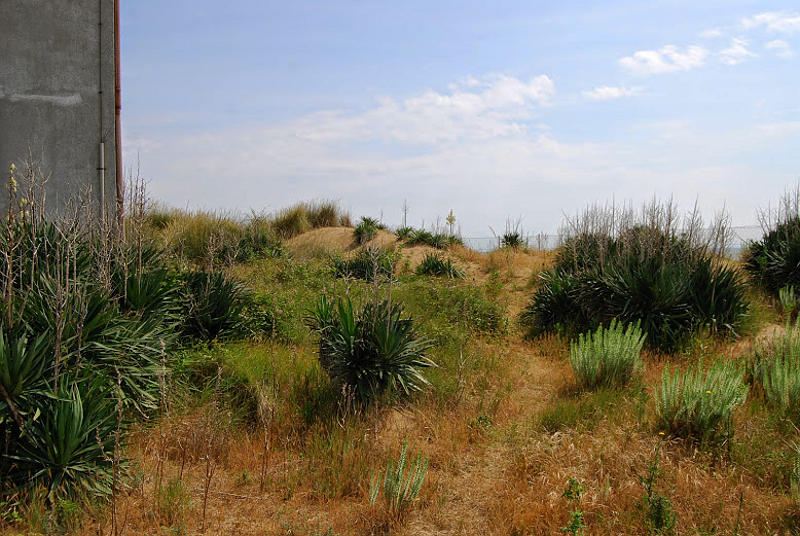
<point>495,109</point>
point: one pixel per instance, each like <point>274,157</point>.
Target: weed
<point>659,517</point>
<point>573,494</point>
<point>399,488</point>
<point>609,356</point>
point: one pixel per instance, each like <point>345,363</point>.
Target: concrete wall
<point>57,94</point>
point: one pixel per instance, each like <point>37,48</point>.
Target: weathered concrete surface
<point>57,94</point>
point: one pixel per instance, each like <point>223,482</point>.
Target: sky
<point>501,111</point>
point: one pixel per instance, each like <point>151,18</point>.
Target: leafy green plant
<point>435,265</point>
<point>659,516</point>
<point>608,356</point>
<point>699,404</point>
<point>573,494</point>
<point>372,351</point>
<point>400,488</point>
<point>773,261</point>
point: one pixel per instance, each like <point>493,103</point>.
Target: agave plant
<point>608,356</point>
<point>24,360</point>
<point>372,351</point>
<point>367,229</point>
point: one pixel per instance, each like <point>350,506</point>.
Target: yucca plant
<point>698,404</point>
<point>400,488</point>
<point>67,448</point>
<point>373,351</point>
<point>608,356</point>
<point>435,265</point>
<point>214,304</point>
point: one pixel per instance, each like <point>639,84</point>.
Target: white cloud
<point>774,21</point>
<point>711,34</point>
<point>737,52</point>
<point>611,92</point>
<point>781,48</point>
<point>667,59</point>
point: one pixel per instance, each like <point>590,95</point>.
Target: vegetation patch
<point>608,356</point>
<point>436,265</point>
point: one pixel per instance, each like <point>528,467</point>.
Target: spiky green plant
<point>367,229</point>
<point>435,265</point>
<point>213,305</point>
<point>794,477</point>
<point>400,488</point>
<point>366,264</point>
<point>372,351</point>
<point>608,356</point>
<point>698,404</point>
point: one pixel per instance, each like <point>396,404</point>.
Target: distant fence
<point>740,237</point>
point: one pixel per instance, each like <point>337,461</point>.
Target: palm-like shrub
<point>69,446</point>
<point>366,264</point>
<point>214,304</point>
<point>367,229</point>
<point>774,261</point>
<point>512,240</point>
<point>608,356</point>
<point>699,404</point>
<point>399,488</point>
<point>373,350</point>
<point>670,283</point>
<point>436,265</point>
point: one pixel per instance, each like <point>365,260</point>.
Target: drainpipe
<point>117,124</point>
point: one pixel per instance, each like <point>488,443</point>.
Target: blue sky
<point>497,110</point>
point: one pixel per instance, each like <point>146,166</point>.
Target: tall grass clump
<point>774,261</point>
<point>436,265</point>
<point>325,213</point>
<point>647,267</point>
<point>607,357</point>
<point>698,404</point>
<point>291,221</point>
<point>775,366</point>
<point>371,351</point>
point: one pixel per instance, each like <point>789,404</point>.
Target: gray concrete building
<point>57,96</point>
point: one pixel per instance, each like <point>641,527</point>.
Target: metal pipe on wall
<point>117,122</point>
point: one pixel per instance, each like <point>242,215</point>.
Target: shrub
<point>404,233</point>
<point>608,357</point>
<point>367,229</point>
<point>512,240</point>
<point>435,265</point>
<point>699,405</point>
<point>774,260</point>
<point>399,489</point>
<point>214,304</point>
<point>291,222</point>
<point>371,351</point>
<point>366,264</point>
<point>671,284</point>
<point>775,365</point>
<point>204,238</point>
<point>259,241</point>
